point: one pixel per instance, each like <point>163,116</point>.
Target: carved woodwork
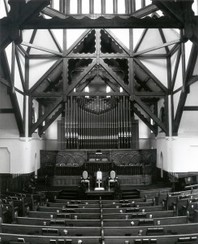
<point>108,159</point>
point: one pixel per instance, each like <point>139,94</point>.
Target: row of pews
<point>153,218</point>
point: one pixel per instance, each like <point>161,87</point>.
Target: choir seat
<point>112,180</point>
<point>85,180</point>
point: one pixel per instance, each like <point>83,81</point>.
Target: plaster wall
<point>20,155</point>
<point>177,154</point>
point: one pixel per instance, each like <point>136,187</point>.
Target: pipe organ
<point>98,122</point>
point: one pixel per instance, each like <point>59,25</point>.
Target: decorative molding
<point>133,157</point>
<point>68,159</point>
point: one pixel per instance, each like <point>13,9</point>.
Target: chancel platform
<point>97,194</point>
<point>133,167</point>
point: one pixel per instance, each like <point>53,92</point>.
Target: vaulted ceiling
<point>97,63</point>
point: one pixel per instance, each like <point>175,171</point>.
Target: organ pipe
<point>89,123</point>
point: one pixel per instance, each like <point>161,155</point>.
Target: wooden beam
<point>183,13</point>
<point>140,13</point>
<point>50,70</point>
<point>56,41</point>
<point>103,6</point>
<point>190,108</point>
<point>51,120</point>
<point>131,63</point>
<point>152,56</point>
<point>140,40</point>
<point>19,13</point>
<point>114,76</point>
<point>176,69</point>
<point>115,6</point>
<point>5,82</point>
<point>148,72</point>
<point>165,45</point>
<point>46,95</point>
<point>99,94</point>
<point>22,51</point>
<point>179,112</point>
<point>150,94</point>
<point>101,22</point>
<point>67,7</point>
<point>12,93</point>
<point>31,40</point>
<point>43,49</point>
<point>6,110</point>
<point>20,69</point>
<point>54,13</point>
<point>144,119</point>
<point>171,8</point>
<point>80,78</point>
<point>185,88</point>
<point>79,7</point>
<point>163,39</point>
<point>80,55</point>
<point>13,65</point>
<point>6,6</point>
<point>145,11</point>
<point>42,56</point>
<point>193,79</point>
<point>91,6</point>
<point>82,36</point>
<point>45,115</point>
<point>148,111</point>
<point>117,41</point>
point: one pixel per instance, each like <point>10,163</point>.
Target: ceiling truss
<point>51,90</point>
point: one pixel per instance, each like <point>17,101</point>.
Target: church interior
<point>98,121</point>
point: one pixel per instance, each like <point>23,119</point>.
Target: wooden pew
<point>161,239</point>
<point>145,222</point>
<point>151,230</point>
<point>40,239</point>
<point>191,187</point>
<point>7,213</point>
<point>108,231</point>
<point>51,195</point>
<point>97,222</point>
<point>39,214</point>
<point>64,201</point>
<point>183,205</point>
<point>153,214</point>
<point>152,192</point>
<point>51,230</point>
<point>68,210</point>
<point>104,204</point>
<point>58,222</point>
<point>172,199</point>
<point>116,209</point>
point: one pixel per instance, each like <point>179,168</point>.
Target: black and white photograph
<point>99,121</point>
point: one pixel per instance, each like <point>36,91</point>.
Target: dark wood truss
<point>7,80</point>
<point>92,59</point>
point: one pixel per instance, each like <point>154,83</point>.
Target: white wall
<point>17,155</point>
<point>180,154</point>
<point>51,136</point>
<point>23,155</point>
